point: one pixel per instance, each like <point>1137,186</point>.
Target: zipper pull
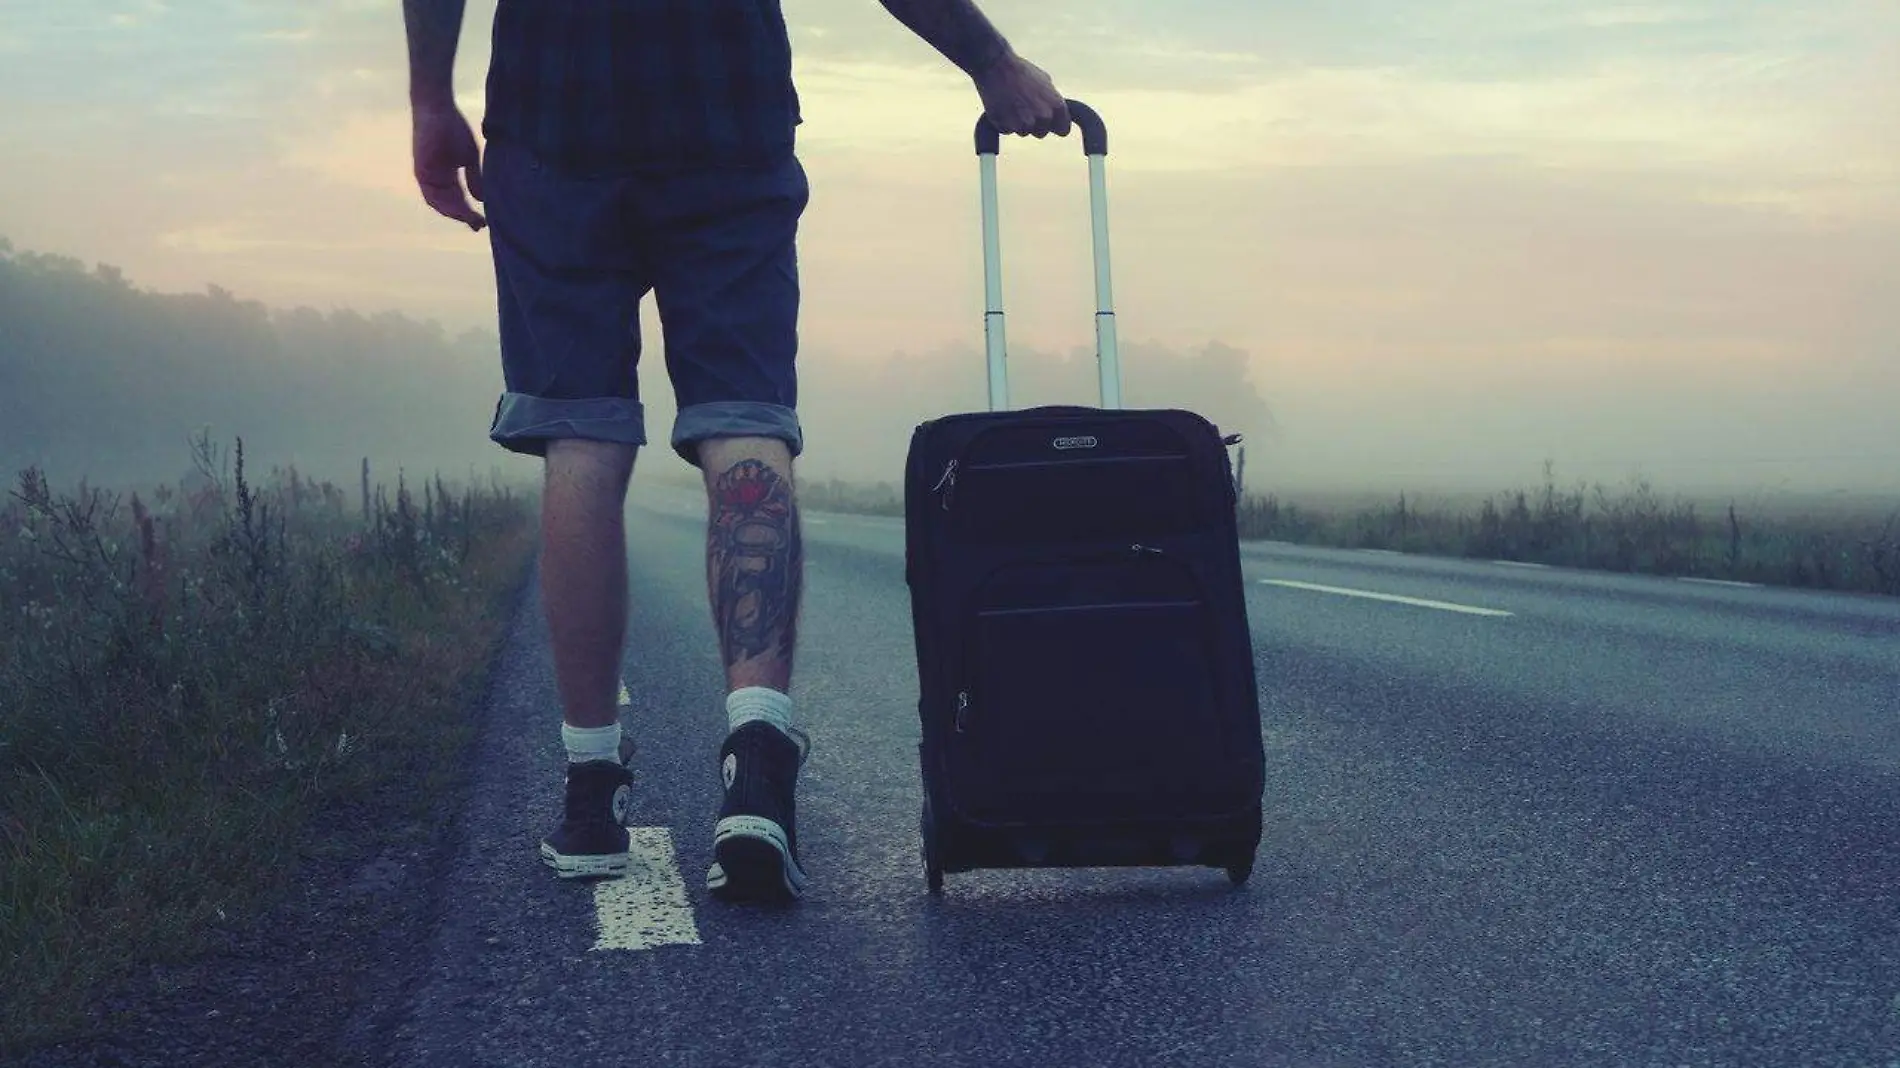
<point>947,484</point>
<point>1140,548</point>
<point>963,708</point>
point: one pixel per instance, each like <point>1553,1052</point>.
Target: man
<point>637,145</point>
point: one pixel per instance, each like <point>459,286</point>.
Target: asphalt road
<point>1514,816</point>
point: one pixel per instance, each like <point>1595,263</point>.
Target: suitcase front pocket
<point>1075,501</point>
<point>1073,480</point>
<point>1092,707</point>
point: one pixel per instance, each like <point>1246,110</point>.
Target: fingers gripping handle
<point>1107,352</point>
<point>989,139</point>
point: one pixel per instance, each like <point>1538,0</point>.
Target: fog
<point>105,379</point>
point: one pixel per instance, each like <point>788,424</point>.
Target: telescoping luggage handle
<point>1107,356</point>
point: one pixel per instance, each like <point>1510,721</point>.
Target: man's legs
<point>754,579</point>
<point>569,282</point>
<point>584,573</point>
<point>584,593</point>
<point>725,275</point>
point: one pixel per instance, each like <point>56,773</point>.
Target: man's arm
<point>434,28</point>
<point>442,142</point>
<point>1017,96</point>
<point>955,28</point>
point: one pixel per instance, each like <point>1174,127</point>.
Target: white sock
<point>591,743</point>
<point>751,703</point>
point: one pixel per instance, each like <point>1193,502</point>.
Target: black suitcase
<point>1084,661</point>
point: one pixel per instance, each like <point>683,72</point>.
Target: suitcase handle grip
<point>1107,349</point>
<point>989,141</point>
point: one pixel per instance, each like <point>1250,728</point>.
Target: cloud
<point>1776,105</point>
<point>138,15</point>
<point>368,150</point>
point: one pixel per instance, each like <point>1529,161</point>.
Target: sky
<point>1453,238</point>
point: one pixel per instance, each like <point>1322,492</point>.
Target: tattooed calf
<point>753,562</point>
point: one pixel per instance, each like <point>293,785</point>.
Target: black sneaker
<point>755,844</point>
<point>591,840</point>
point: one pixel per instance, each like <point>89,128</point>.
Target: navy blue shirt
<point>613,86</point>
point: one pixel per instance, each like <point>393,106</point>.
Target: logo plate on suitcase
<point>1084,441</point>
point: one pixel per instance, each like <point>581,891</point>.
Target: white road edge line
<point>646,907</point>
<point>1522,563</point>
<point>1383,552</point>
<point>1443,606</point>
<point>1720,582</point>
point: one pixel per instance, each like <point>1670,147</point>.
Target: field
<point>1833,542</point>
<point>192,676</point>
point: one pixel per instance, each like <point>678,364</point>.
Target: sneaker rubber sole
<point>586,865</point>
<point>753,862</point>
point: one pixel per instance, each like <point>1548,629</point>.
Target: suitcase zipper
<point>947,484</point>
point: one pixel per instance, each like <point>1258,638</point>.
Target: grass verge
<point>1634,529</point>
<point>186,683</point>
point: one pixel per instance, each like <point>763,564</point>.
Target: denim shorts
<point>574,256</point>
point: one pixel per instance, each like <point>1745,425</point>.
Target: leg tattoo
<point>753,556</point>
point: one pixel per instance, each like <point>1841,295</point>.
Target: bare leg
<point>584,573</point>
<point>754,558</point>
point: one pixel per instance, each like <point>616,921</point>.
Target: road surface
<point>1514,816</point>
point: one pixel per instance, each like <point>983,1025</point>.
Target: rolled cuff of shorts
<point>526,424</point>
<point>734,419</point>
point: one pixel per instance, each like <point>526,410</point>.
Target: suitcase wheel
<point>1238,870</point>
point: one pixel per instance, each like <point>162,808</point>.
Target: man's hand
<point>1019,98</point>
<point>445,150</point>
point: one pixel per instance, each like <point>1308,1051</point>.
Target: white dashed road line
<point>646,907</point>
<point>1722,582</point>
<point>1522,563</point>
<point>1419,602</point>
